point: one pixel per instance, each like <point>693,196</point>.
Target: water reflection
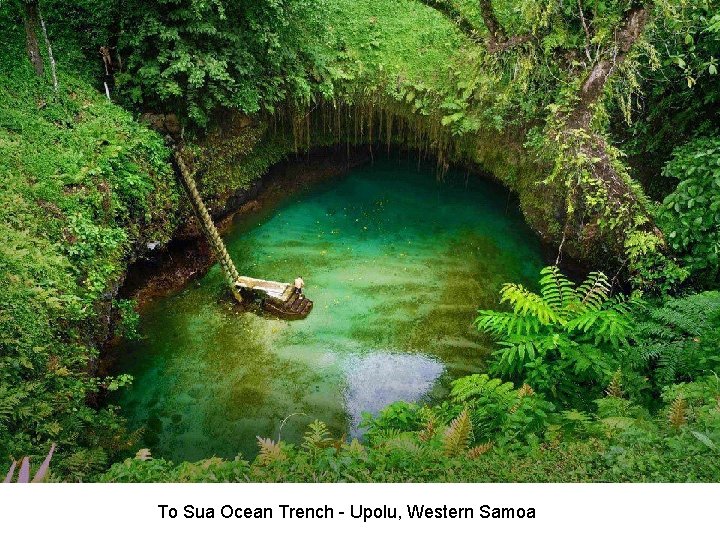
<point>397,265</point>
<point>380,378</point>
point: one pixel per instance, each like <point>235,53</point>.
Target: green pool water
<point>397,264</point>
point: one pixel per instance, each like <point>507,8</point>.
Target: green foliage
<point>680,92</point>
<point>577,341</point>
<point>84,187</point>
<point>129,319</point>
<point>24,470</point>
<point>621,443</point>
<point>270,451</point>
<point>456,436</point>
<point>674,341</point>
<point>394,418</point>
<point>195,56</point>
<point>561,338</point>
<point>317,437</point>
<point>501,414</point>
<point>690,215</point>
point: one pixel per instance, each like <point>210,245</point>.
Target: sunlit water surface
<point>397,264</point>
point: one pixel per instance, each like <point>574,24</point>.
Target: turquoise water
<point>396,262</point>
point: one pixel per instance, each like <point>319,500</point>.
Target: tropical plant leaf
<point>457,435</point>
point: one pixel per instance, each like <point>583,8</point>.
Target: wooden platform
<point>295,307</point>
<point>277,298</point>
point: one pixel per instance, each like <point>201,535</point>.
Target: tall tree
<point>625,36</point>
<point>31,17</point>
<point>53,70</point>
<point>585,45</point>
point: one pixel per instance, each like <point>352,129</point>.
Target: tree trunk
<point>584,205</point>
<point>496,40</point>
<point>32,21</point>
<point>611,177</point>
<point>49,50</point>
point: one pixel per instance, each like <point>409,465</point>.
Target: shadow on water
<point>396,262</point>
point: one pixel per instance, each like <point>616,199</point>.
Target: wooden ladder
<point>207,226</point>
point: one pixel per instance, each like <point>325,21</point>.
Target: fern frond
<point>429,430</point>
<point>525,302</point>
<point>613,327</point>
<point>354,448</point>
<point>143,454</point>
<point>514,352</point>
<point>385,434</point>
<point>402,442</point>
<point>604,325</point>
<point>501,323</point>
<point>457,435</point>
<point>574,420</point>
<point>270,452</point>
<point>677,414</point>
<point>556,289</point>
<point>472,386</point>
<point>593,292</point>
<point>584,321</point>
<point>614,389</point>
<point>525,390</point>
<point>573,415</point>
<point>317,436</point>
<point>477,451</point>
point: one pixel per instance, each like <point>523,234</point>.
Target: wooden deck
<point>277,298</point>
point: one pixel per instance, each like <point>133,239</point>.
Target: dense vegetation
<point>640,405</point>
<point>82,183</point>
<point>607,117</point>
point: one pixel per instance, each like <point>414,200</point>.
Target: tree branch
<point>496,39</point>
<point>625,38</point>
<point>451,12</point>
<point>600,162</point>
<point>588,39</point>
<point>509,43</point>
<point>31,20</point>
<point>497,33</point>
<point>49,50</point>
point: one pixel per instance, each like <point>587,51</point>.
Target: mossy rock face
<point>231,158</point>
<point>164,123</point>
